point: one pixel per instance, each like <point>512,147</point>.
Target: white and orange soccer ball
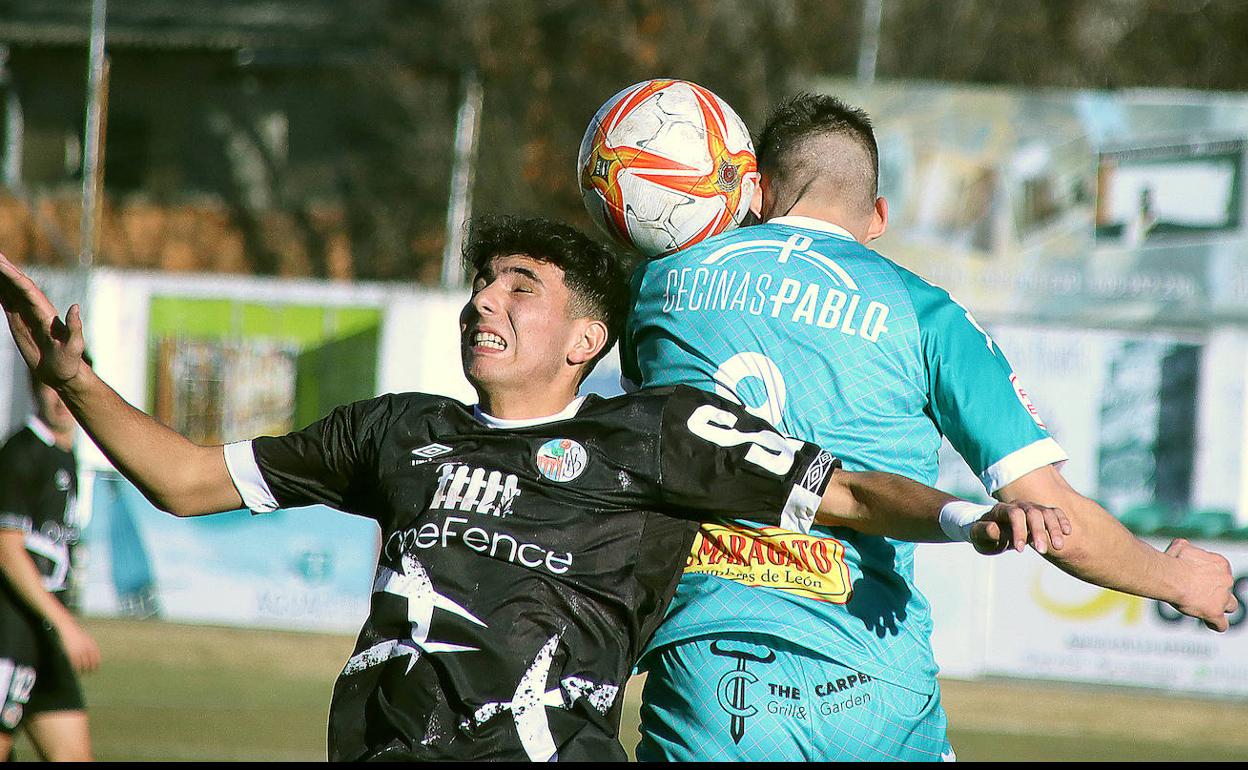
<point>665,164</point>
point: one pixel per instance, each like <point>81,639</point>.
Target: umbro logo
<point>431,451</point>
<point>818,470</point>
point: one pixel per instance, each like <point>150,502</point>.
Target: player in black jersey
<point>530,543</point>
<point>41,644</point>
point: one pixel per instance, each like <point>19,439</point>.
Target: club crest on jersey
<point>561,459</point>
<point>61,480</point>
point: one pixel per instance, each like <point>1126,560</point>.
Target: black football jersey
<point>38,492</point>
<point>523,569</point>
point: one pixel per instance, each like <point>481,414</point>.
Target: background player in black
<point>41,644</point>
<point>530,543</point>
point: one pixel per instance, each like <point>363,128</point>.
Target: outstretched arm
<point>1100,550</point>
<point>877,503</point>
<point>175,474</point>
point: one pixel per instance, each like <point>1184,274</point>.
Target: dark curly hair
<point>595,275</point>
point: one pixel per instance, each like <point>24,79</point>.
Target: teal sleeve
<point>974,396</point>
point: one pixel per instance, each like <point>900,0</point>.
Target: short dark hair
<point>805,116</point>
<point>596,276</point>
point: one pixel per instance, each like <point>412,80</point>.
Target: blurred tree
<point>382,79</point>
<point>547,67</point>
<point>1069,43</point>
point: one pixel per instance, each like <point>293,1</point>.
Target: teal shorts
<point>756,697</point>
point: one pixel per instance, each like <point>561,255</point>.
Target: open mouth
<point>488,340</point>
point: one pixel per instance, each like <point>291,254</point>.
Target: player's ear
<point>756,200</point>
<point>879,219</point>
<point>591,337</point>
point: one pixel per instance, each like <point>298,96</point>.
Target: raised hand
<point>51,347</point>
<point>1014,525</point>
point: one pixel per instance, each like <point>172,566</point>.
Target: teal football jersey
<point>834,344</point>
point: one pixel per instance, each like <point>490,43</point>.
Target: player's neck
<point>525,405</point>
<point>831,214</point>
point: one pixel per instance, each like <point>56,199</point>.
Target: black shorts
<point>35,674</point>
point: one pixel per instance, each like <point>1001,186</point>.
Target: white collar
<point>810,223</point>
<point>41,430</point>
<point>498,422</point>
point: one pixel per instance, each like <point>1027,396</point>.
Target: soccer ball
<point>665,164</point>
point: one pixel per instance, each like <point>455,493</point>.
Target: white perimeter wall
<point>1011,615</point>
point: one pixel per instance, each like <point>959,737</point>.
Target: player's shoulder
<point>653,403</point>
<point>417,405</point>
<point>383,413</point>
<point>928,298</point>
<point>626,406</point>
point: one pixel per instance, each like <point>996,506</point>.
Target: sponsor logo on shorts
<point>561,459</point>
<point>733,688</point>
<point>843,694</point>
<point>785,700</point>
<point>744,692</point>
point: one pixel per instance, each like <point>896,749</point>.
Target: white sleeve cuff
<point>799,510</point>
<point>240,460</point>
<point>957,518</point>
<point>1020,462</point>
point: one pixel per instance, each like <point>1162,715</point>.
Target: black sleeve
<point>14,487</point>
<point>716,459</point>
<point>332,461</point>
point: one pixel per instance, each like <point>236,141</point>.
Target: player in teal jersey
<point>780,646</point>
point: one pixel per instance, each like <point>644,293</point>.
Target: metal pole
<point>459,208</point>
<point>869,47</point>
<point>92,168</point>
<point>14,125</point>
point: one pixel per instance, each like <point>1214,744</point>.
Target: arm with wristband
<point>989,420</point>
<point>886,504</point>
